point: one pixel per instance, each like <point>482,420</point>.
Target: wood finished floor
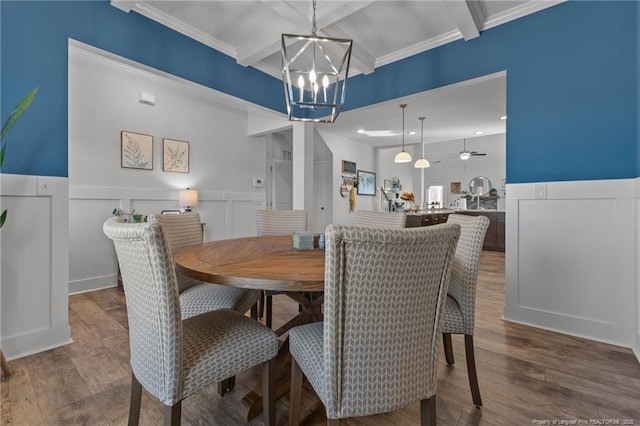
<point>524,374</point>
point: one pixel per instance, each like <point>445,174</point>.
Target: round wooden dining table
<point>262,263</point>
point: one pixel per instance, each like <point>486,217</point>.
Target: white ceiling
<point>383,31</point>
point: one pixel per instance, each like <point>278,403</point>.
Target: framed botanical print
<point>175,156</point>
<point>136,150</point>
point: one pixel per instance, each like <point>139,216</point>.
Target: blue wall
<point>572,85</point>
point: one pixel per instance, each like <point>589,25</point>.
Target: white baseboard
<point>92,284</point>
<point>35,342</point>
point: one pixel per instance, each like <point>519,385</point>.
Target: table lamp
<point>187,198</point>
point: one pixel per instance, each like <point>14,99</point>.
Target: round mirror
<point>480,185</point>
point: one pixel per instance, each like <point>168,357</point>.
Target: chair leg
<point>172,414</point>
<point>268,314</point>
<point>269,392</point>
<point>471,369</point>
<point>261,306</point>
<point>428,411</point>
<point>136,398</point>
<point>448,349</point>
<point>226,385</point>
<point>254,311</point>
<point>295,393</point>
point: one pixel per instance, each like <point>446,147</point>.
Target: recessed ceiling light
<point>361,131</point>
<point>478,133</point>
<point>504,117</point>
<point>380,133</point>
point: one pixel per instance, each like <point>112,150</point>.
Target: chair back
<point>280,222</point>
<point>380,219</point>
<point>462,287</point>
<point>181,230</point>
<point>385,291</point>
<point>153,306</point>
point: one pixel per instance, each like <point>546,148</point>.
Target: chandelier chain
<point>314,28</point>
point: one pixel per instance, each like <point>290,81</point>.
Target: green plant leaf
<point>17,112</point>
<point>3,218</point>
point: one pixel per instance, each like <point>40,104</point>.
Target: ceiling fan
<point>465,155</point>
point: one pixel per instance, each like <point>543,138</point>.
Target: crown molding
<point>425,45</point>
<point>518,12</point>
<point>181,27</point>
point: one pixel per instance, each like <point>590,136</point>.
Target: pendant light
<point>403,156</point>
<point>422,163</point>
<point>314,72</point>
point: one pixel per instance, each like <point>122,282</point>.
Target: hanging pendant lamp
<point>314,72</point>
<point>403,156</point>
<point>422,162</point>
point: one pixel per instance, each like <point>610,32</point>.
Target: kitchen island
<point>494,239</point>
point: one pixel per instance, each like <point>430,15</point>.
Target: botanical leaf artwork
<point>137,151</point>
<point>176,156</point>
<point>133,156</point>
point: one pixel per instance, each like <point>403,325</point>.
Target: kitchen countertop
<point>440,211</point>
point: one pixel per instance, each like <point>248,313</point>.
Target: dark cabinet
<point>425,219</point>
<point>493,240</point>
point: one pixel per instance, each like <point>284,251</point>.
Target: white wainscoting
<point>571,258</point>
<point>92,259</point>
<point>35,264</point>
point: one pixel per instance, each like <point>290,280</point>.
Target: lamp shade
<point>422,163</point>
<point>187,198</point>
<point>403,157</point>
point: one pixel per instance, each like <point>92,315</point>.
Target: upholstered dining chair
<point>380,219</point>
<point>363,361</point>
<point>277,222</point>
<point>173,358</point>
<point>196,297</point>
<point>459,313</point>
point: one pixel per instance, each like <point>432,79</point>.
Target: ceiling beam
<point>268,42</point>
<point>468,15</point>
<point>361,59</point>
<point>123,5</point>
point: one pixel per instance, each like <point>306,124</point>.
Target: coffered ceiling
<point>383,31</point>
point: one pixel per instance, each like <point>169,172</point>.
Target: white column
<point>303,166</point>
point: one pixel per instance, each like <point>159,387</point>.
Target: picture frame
<point>456,187</point>
<point>348,167</point>
<point>387,185</point>
<point>136,150</point>
<point>175,156</point>
<point>366,183</point>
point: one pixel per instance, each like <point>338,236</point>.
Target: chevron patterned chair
<point>277,222</point>
<point>173,358</point>
<point>363,359</point>
<point>460,308</point>
<point>380,219</point>
<point>196,297</point>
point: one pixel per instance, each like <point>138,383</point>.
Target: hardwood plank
<point>524,374</point>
